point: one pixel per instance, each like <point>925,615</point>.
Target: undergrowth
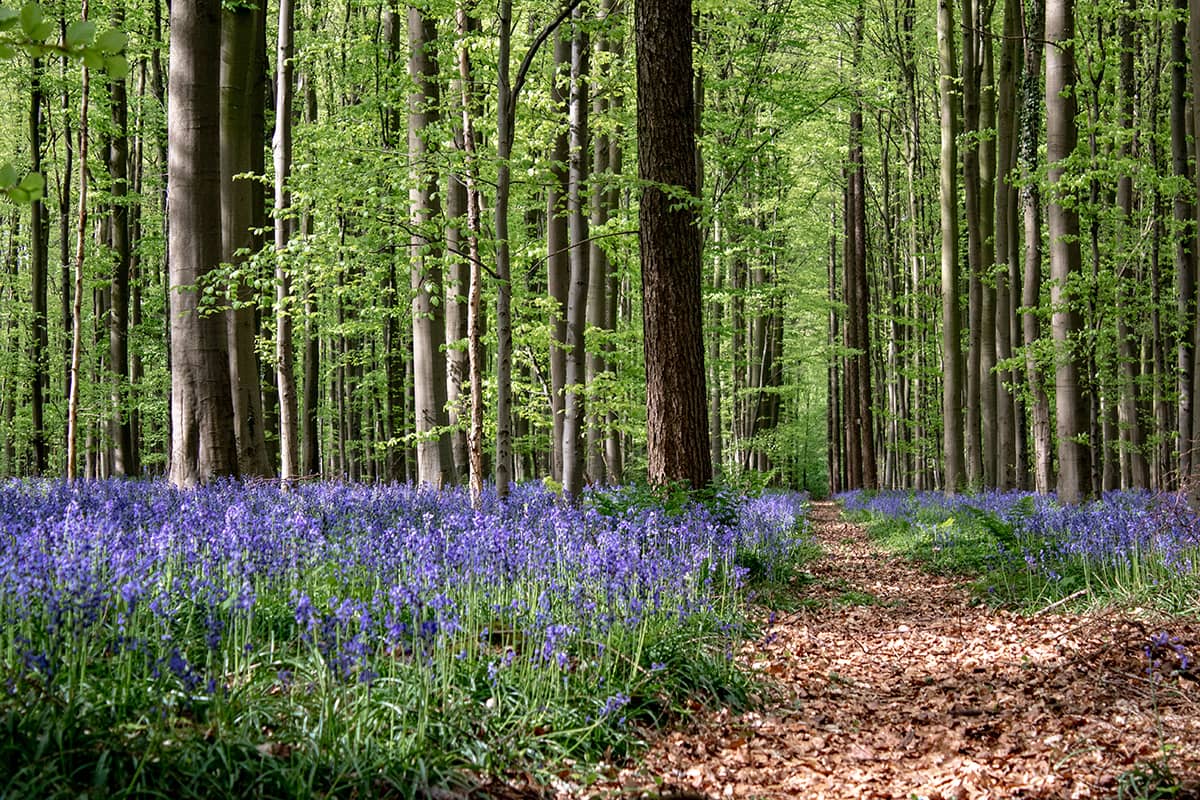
<point>363,642</point>
<point>1028,552</point>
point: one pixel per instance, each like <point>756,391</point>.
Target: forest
<point>598,398</point>
<point>923,265</point>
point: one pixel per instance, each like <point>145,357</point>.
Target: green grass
<point>972,544</point>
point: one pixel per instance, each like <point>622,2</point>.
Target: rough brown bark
<point>676,413</point>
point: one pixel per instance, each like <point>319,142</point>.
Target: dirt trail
<point>895,686</point>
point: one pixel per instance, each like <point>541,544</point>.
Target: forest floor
<point>889,682</point>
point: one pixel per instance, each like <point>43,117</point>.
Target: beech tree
<point>203,442</point>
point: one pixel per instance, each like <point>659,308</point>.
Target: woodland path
<point>894,685</point>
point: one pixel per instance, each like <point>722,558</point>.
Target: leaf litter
<point>923,693</point>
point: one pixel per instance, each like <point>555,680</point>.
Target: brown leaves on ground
<point>920,693</point>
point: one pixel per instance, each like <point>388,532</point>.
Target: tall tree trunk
<point>613,450</point>
<point>1074,466</point>
<point>952,426</point>
<point>239,31</point>
<point>1005,247</point>
<point>506,109</point>
<point>1184,237</point>
<point>118,317</point>
<point>863,423</point>
<point>1193,55</point>
<point>458,281</point>
<point>972,206</point>
<point>203,438</point>
<point>1032,283</point>
<point>676,414</point>
<point>77,303</point>
<point>474,292</point>
<point>310,433</point>
<point>987,262</point>
<point>1135,469</point>
<point>558,265</point>
<point>577,294</point>
<point>39,257</point>
<point>285,375</point>
<point>508,91</point>
<point>435,465</point>
<point>598,266</point>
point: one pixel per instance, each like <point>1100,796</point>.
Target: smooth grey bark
<point>285,372</point>
<point>39,258</point>
<point>598,263</point>
<point>574,461</point>
<point>1184,237</point>
<point>1031,328</point>
<point>1135,469</point>
<point>952,425</point>
<point>1074,465</point>
<point>474,291</point>
<point>310,430</point>
<point>558,266</point>
<point>1006,247</point>
<point>508,92</point>
<point>969,152</point>
<point>121,431</point>
<point>239,31</point>
<point>73,393</point>
<point>203,442</point>
<point>987,262</point>
<point>435,464</point>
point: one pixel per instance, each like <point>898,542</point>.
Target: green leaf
<point>81,33</point>
<point>112,41</point>
<point>116,67</point>
<point>93,60</point>
<point>33,182</point>
<point>43,31</point>
<point>8,176</point>
<point>8,17</point>
<point>31,18</point>
<point>6,51</point>
<point>19,196</point>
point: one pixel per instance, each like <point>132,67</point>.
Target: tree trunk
<point>1005,247</point>
<point>676,416</point>
<point>285,375</point>
<point>574,461</point>
<point>39,257</point>
<point>1135,469</point>
<point>952,426</point>
<point>435,465</point>
<point>1074,466</point>
<point>1032,284</point>
<point>203,438</point>
<point>310,434</point>
<point>474,291</point>
<point>987,262</point>
<point>972,206</point>
<point>598,266</point>
<point>1184,236</point>
<point>558,266</point>
<point>239,32</point>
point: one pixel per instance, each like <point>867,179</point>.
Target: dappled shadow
<point>892,683</point>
